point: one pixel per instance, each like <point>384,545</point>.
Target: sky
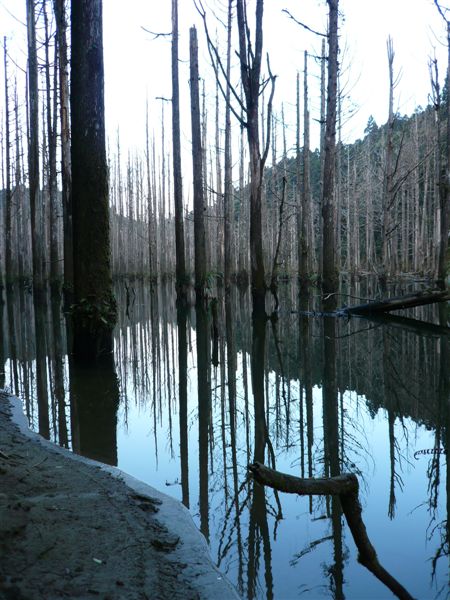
<point>416,27</point>
<point>137,66</point>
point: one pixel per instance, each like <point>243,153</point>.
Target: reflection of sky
<point>401,543</point>
<point>148,448</point>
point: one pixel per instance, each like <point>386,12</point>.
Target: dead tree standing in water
<point>66,169</point>
<point>33,149</point>
<point>177,179</point>
<point>94,311</point>
<point>388,191</point>
<point>444,182</point>
<point>250,62</point>
<point>197,166</point>
<point>330,279</point>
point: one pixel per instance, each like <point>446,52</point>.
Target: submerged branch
<point>397,303</point>
<point>345,486</point>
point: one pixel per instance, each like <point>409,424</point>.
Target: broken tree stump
<point>345,486</point>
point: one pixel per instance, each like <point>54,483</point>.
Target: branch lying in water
<point>345,486</point>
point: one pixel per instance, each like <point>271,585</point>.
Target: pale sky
<point>137,67</point>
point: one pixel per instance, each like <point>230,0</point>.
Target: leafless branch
<point>441,10</point>
<point>285,10</point>
<point>217,66</point>
<point>156,35</point>
<point>272,79</point>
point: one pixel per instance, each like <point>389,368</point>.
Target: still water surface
<point>196,395</point>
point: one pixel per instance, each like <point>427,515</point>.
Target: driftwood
<point>397,303</point>
<point>346,486</point>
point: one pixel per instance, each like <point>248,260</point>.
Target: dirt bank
<point>73,528</point>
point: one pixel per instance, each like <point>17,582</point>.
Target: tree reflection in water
<point>195,394</point>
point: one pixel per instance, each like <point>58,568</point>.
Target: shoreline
<point>76,528</point>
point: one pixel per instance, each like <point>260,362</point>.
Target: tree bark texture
<point>94,312</point>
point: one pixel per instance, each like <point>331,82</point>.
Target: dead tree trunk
<point>66,168</point>
<point>51,102</point>
<point>94,313</point>
<point>250,62</point>
<point>197,166</point>
<point>307,216</point>
<point>388,198</point>
<point>33,148</point>
<point>330,277</point>
<point>177,179</point>
<point>8,192</point>
<point>228,212</point>
<point>445,197</point>
<point>397,303</point>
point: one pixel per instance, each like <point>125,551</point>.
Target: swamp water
<point>197,395</point>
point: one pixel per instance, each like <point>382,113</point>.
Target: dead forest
<point>103,247</point>
<point>389,206</point>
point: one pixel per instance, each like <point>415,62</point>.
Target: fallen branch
<point>407,324</point>
<point>346,486</point>
<point>397,303</point>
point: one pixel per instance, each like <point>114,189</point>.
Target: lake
<point>198,394</point>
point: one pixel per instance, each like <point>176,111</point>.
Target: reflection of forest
<point>391,366</point>
<point>256,380</point>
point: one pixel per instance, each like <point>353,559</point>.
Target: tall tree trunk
<point>197,166</point>
<point>66,168</point>
<point>298,193</point>
<point>386,230</point>
<point>308,218</point>
<point>250,62</point>
<point>228,212</point>
<point>445,197</point>
<point>330,278</point>
<point>94,313</point>
<point>52,139</point>
<point>322,155</point>
<point>33,148</point>
<point>177,179</point>
<point>8,191</point>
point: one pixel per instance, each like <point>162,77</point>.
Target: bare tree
<point>329,251</point>
<point>66,168</point>
<point>444,184</point>
<point>33,148</point>
<point>8,191</point>
<point>388,197</point>
<point>250,61</point>
<point>197,166</point>
<point>94,312</point>
<point>228,183</point>
<point>177,178</point>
